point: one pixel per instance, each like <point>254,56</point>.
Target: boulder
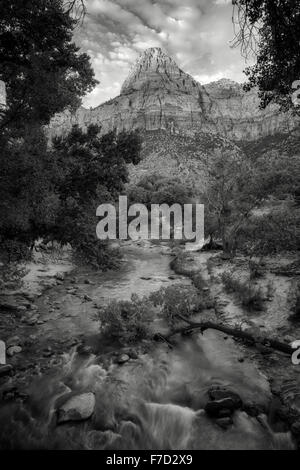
<point>222,402</point>
<point>12,350</point>
<point>123,358</point>
<point>5,369</point>
<point>219,393</point>
<point>77,408</point>
<point>72,290</point>
<point>13,341</point>
<point>87,298</point>
<point>213,408</point>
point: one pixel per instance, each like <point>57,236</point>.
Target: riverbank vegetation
<point>249,294</point>
<point>50,190</point>
<point>252,205</point>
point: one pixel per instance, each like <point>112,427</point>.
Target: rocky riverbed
<point>69,387</point>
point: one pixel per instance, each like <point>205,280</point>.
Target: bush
<point>294,300</point>
<point>126,320</point>
<point>11,275</point>
<point>269,234</point>
<point>13,251</point>
<point>248,294</point>
<point>199,282</point>
<point>256,269</point>
<point>178,300</point>
<point>96,253</point>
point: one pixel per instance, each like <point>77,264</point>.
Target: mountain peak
<point>154,68</point>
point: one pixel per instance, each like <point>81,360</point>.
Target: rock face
<point>158,95</point>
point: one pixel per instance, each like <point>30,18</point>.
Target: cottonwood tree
<point>91,169</point>
<point>236,187</point>
<point>270,31</point>
<point>45,73</point>
<point>43,69</point>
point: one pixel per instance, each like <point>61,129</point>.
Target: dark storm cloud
<point>196,33</point>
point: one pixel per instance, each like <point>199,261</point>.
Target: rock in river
<point>123,358</point>
<point>12,350</point>
<point>6,369</point>
<point>13,341</point>
<point>77,408</point>
<point>222,399</point>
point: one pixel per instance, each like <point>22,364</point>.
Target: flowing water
<point>153,402</point>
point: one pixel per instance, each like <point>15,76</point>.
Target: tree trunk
<point>235,332</point>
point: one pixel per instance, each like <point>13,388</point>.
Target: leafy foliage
<point>249,295</point>
<point>256,269</point>
<point>178,300</point>
<point>237,187</point>
<point>11,274</point>
<point>42,68</point>
<point>28,200</point>
<point>156,189</point>
<point>53,193</point>
<point>270,29</point>
<point>92,170</point>
<point>294,300</point>
<point>127,320</point>
<point>269,234</point>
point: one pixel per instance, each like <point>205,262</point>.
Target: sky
<point>195,33</point>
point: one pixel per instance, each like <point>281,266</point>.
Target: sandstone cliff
<point>158,95</point>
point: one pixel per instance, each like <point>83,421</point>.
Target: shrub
<point>14,251</point>
<point>11,275</point>
<point>178,299</point>
<point>269,234</point>
<point>256,269</point>
<point>97,254</point>
<point>128,320</point>
<point>248,294</point>
<point>199,282</point>
<point>294,299</point>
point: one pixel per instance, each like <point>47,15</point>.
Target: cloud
<point>196,33</point>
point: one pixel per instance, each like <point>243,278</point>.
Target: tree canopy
<point>270,29</point>
<point>43,69</point>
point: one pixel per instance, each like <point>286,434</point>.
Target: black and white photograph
<point>149,228</point>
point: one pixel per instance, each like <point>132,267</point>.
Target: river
<point>154,401</point>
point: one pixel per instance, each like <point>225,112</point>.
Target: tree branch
<point>235,332</point>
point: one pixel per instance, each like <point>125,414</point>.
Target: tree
<point>157,189</point>
<point>42,68</point>
<point>44,73</point>
<point>91,170</point>
<point>270,29</point>
<point>28,201</point>
<point>238,186</point>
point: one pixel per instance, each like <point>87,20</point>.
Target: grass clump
<point>250,296</point>
<point>256,269</point>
